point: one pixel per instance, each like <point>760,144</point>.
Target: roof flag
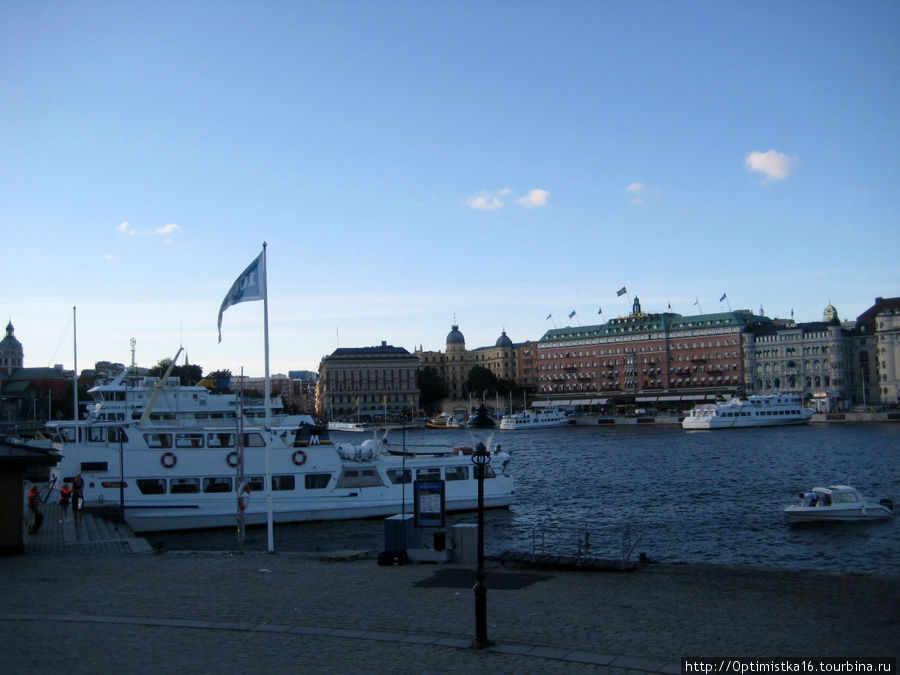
<point>572,313</point>
<point>622,291</point>
<point>548,316</point>
<point>599,310</point>
<point>724,295</point>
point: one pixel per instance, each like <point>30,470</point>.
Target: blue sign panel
<point>429,503</point>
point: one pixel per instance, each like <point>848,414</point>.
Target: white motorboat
<point>355,427</point>
<point>199,465</point>
<point>537,418</point>
<point>761,410</point>
<point>837,503</point>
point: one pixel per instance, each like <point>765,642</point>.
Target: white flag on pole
<point>251,285</point>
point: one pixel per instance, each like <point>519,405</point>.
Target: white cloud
<point>487,200</point>
<point>534,198</point>
<point>772,164</point>
<point>108,256</point>
<point>637,192</point>
<point>163,230</point>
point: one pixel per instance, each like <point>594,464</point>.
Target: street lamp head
<point>481,456</point>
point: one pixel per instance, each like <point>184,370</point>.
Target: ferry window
<point>282,482</point>
<point>96,434</point>
<point>184,485</point>
<point>256,483</point>
<point>152,486</point>
<point>362,478</point>
<point>317,481</point>
<point>254,441</point>
<point>217,485</point>
<point>489,471</point>
<point>428,474</point>
<point>457,472</point>
<point>158,440</point>
<point>400,476</point>
<point>220,440</point>
<point>117,434</point>
<point>845,497</point>
<point>94,466</point>
<point>188,440</point>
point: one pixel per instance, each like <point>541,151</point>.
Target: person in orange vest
<point>65,498</point>
<point>35,517</point>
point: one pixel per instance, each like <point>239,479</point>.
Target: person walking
<point>35,517</point>
<point>65,498</point>
<point>77,499</point>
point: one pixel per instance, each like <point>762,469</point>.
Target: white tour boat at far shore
<point>537,418</point>
<point>837,503</point>
<point>355,427</point>
<point>760,410</point>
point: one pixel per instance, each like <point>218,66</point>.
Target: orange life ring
<point>232,459</point>
<point>299,458</point>
<point>243,496</point>
<point>168,460</point>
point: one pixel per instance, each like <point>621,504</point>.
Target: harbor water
<point>677,496</point>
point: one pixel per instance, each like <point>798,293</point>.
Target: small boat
<point>481,419</point>
<point>356,427</point>
<point>761,410</point>
<point>837,503</point>
<point>537,418</point>
<point>445,421</point>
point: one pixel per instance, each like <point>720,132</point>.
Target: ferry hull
<point>719,423</point>
<point>170,519</point>
<point>812,514</point>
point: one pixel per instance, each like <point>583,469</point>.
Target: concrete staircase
<point>92,535</point>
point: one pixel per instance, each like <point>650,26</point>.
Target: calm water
<point>712,497</point>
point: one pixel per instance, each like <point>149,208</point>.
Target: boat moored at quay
<point>179,469</point>
<point>537,418</point>
<point>761,410</point>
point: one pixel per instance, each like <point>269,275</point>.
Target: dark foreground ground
<point>211,612</point>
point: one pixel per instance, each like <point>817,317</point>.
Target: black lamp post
<point>480,458</point>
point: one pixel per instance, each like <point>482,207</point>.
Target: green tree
<point>481,381</point>
<point>431,387</point>
<point>189,374</point>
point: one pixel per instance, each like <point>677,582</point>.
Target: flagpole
<point>265,295</point>
<point>75,357</point>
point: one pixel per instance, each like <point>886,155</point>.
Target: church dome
<point>454,337</point>
<point>503,340</point>
<point>10,343</point>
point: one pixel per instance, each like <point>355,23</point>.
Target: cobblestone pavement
<point>202,612</point>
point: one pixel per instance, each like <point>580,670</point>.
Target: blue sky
<point>408,162</point>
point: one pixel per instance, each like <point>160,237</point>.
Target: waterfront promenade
<point>86,607</point>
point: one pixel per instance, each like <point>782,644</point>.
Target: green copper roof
<point>638,324</point>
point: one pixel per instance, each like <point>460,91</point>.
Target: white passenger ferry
<point>537,418</point>
<point>761,410</point>
<point>195,462</point>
